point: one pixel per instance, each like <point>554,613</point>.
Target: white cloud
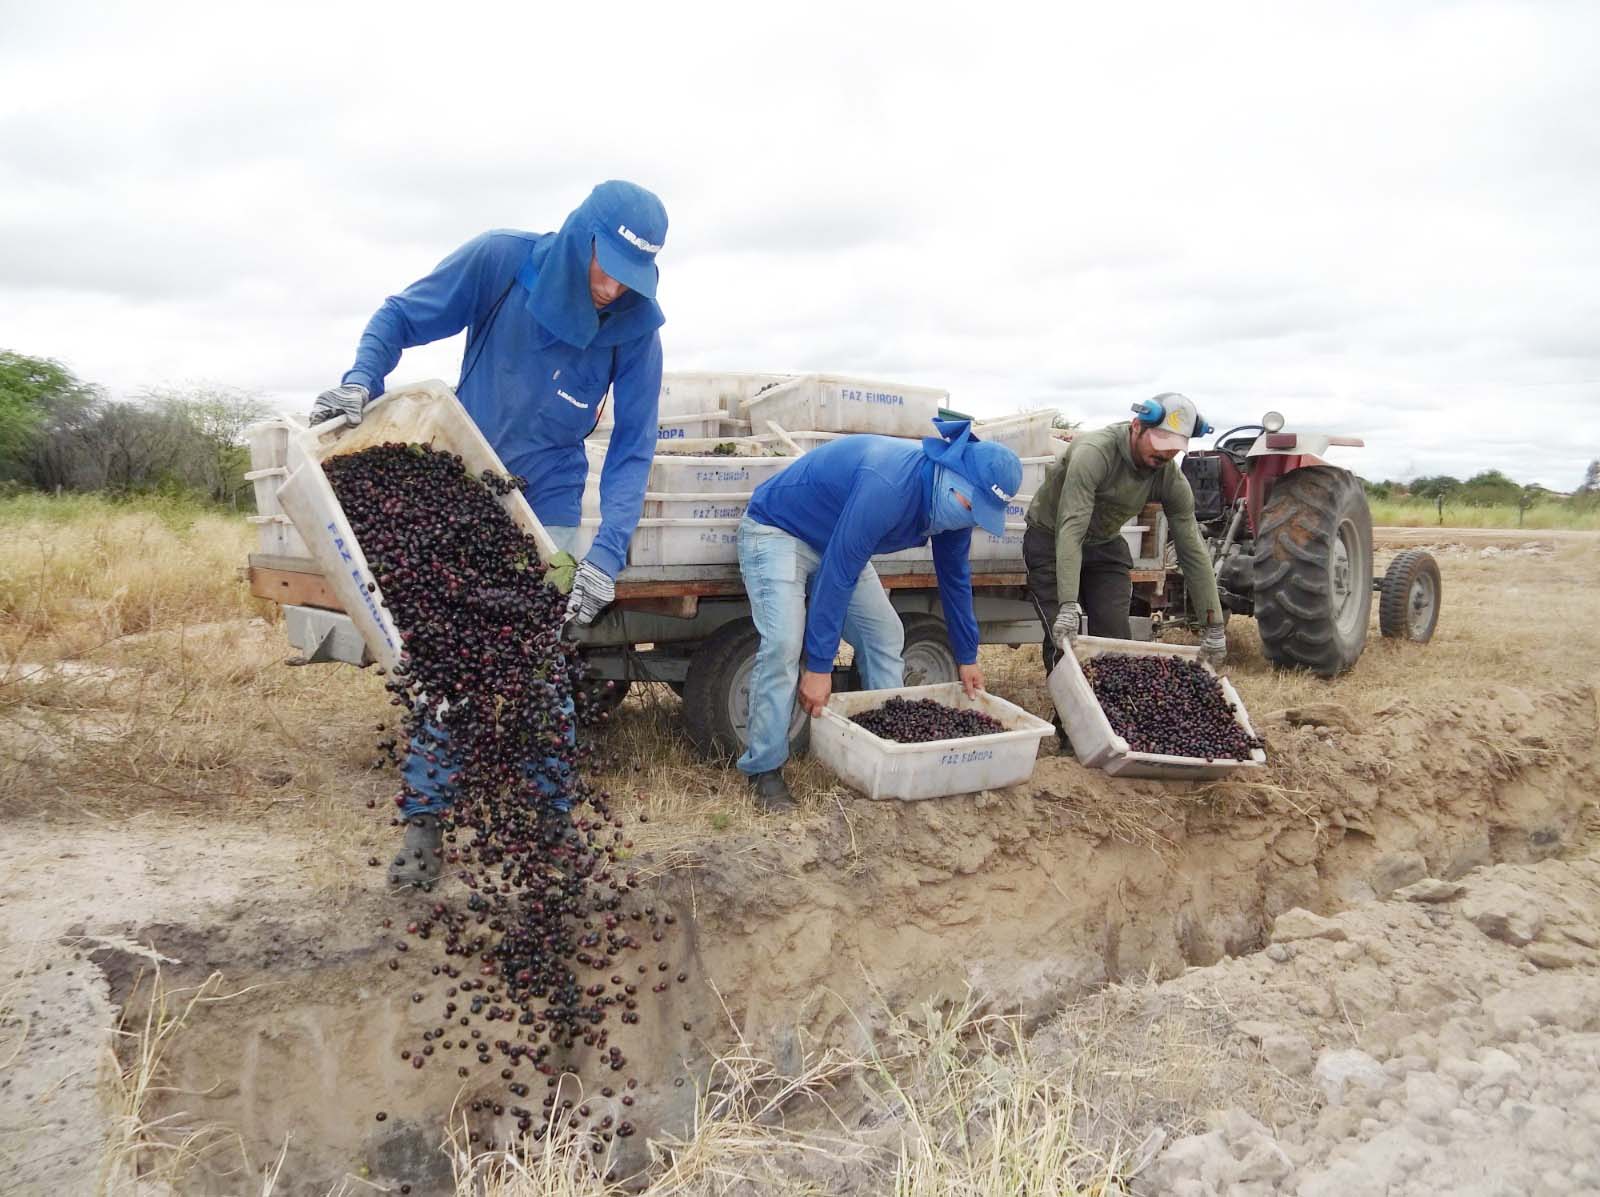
<point>1376,217</point>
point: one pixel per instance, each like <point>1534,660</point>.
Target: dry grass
<point>141,1148</point>
<point>1421,513</point>
<point>951,1103</point>
<point>137,675</point>
<point>1507,619</point>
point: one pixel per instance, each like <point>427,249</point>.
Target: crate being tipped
<point>1098,745</point>
<point>882,768</point>
<point>425,413</point>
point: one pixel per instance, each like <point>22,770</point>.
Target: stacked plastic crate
<point>699,485</point>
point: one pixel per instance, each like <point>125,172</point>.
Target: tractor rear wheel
<point>1408,604</point>
<point>1312,576</point>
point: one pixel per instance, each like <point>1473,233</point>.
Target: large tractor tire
<point>1312,577</point>
<point>716,696</point>
<point>1408,603</point>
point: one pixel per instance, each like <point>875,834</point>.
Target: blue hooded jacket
<point>850,500</point>
<point>538,361</point>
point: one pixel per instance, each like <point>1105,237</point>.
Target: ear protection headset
<point>1154,411</point>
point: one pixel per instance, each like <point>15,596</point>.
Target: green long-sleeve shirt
<point>1096,488</point>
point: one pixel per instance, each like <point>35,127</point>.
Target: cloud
<point>1378,219</point>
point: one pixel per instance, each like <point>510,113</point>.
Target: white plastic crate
<point>881,768</point>
<point>1026,435</point>
<point>702,390</point>
<point>1098,747</point>
<point>269,457</point>
<point>662,506</point>
<point>276,536</point>
<point>425,413</point>
<point>695,426</point>
<point>1033,472</point>
<point>698,475</point>
<point>700,425</point>
<point>673,541</point>
<point>831,403</point>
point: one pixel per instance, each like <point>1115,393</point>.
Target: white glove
<point>1213,645</point>
<point>592,592</point>
<point>346,400</point>
<point>1068,621</point>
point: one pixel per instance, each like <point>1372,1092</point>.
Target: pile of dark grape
<point>548,944</point>
<point>1168,705</point>
<point>916,721</point>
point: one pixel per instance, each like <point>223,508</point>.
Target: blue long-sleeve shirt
<point>850,500</point>
<point>534,396</point>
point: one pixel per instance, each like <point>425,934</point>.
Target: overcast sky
<point>1380,218</point>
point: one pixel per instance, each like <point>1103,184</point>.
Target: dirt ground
<point>1386,942</point>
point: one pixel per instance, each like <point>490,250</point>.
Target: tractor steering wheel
<point>1235,455</point>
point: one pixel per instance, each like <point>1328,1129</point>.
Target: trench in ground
<point>1028,897</point>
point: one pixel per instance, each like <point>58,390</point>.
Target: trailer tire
<point>1312,571</point>
<point>1408,601</point>
<point>928,656</point>
<point>716,695</point>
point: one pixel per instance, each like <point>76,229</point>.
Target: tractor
<point>1291,542</point>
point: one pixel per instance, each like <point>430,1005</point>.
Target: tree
<point>1488,488</point>
<point>1527,496</point>
<point>1435,486</point>
<point>1378,490</point>
<point>36,393</point>
<point>1591,479</point>
<point>217,416</point>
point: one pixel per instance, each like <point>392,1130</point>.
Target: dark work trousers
<point>1105,586</point>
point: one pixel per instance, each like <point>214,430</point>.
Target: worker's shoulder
<point>1174,480</point>
<point>1099,447</point>
<point>506,243</point>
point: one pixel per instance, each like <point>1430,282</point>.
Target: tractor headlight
<point>1272,421</point>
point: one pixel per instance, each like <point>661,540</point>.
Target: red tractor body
<point>1291,543</point>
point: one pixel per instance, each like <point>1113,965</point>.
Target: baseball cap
<point>630,228</point>
<point>1177,424</point>
<point>993,471</point>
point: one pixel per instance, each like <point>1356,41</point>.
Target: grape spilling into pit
<point>1169,705</point>
<point>919,720</point>
<point>549,947</point>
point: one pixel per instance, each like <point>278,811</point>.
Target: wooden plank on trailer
<point>277,561</point>
<point>679,606</point>
<point>293,588</point>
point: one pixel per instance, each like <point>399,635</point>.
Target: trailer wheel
<point>1312,575</point>
<point>716,696</point>
<point>1408,601</point>
<point>927,653</point>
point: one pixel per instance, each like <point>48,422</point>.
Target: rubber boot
<point>418,862</point>
<point>771,792</point>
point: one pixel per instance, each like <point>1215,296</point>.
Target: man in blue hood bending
<point>553,321</point>
<point>815,528</point>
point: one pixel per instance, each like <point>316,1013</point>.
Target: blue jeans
<point>425,795</point>
<point>777,569</point>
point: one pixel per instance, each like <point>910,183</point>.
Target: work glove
<point>346,400</point>
<point>592,592</point>
<point>1213,645</point>
<point>1068,622</point>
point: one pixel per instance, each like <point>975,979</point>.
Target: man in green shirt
<point>1078,563</point>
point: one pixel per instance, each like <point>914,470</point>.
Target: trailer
<point>687,626</point>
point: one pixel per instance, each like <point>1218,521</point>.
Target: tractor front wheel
<point>1408,606</point>
<point>1312,575</point>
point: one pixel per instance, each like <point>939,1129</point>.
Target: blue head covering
<point>624,226</point>
<point>992,472</point>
